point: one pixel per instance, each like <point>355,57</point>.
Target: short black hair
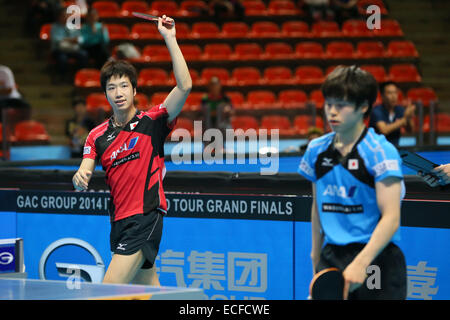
<point>351,84</point>
<point>385,84</point>
<point>77,100</point>
<point>118,68</point>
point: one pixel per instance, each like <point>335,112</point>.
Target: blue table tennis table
<point>30,289</point>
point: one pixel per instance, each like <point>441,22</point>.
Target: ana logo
<point>339,191</point>
<point>6,258</point>
<point>70,248</point>
<point>125,147</point>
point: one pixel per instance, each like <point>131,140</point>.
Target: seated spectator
<point>95,39</point>
<point>389,117</point>
<point>344,10</point>
<point>41,12</point>
<point>78,128</point>
<point>313,133</point>
<point>318,10</point>
<point>10,96</point>
<point>226,9</point>
<point>216,107</point>
<point>65,44</point>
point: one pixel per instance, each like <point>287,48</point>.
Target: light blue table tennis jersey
<point>345,186</point>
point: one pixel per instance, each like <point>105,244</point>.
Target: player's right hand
<point>81,179</point>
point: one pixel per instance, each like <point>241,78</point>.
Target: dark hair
<point>118,68</point>
<point>77,100</point>
<point>353,85</point>
<point>385,84</point>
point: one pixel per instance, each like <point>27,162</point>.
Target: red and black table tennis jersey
<point>133,160</point>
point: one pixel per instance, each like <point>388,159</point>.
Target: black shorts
<point>391,261</point>
<point>140,231</point>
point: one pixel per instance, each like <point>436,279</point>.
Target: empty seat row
<point>27,131</point>
<point>281,51</point>
<point>244,76</point>
<point>260,29</point>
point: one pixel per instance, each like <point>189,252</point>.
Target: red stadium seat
<point>244,123</point>
<point>243,76</point>
<point>292,99</point>
<point>254,8</point>
<point>302,123</point>
<point>370,50</point>
<point>10,135</point>
<point>191,52</point>
<point>31,131</point>
<point>363,4</point>
<point>262,99</point>
<point>309,50</point>
<point>87,78</point>
<point>217,51</point>
<point>160,8</point>
<point>106,9</point>
<point>276,122</point>
<point>378,72</point>
<point>144,30</point>
<point>118,31</point>
<point>158,98</point>
<point>128,7</point>
<point>278,75</point>
<point>425,95</point>
<point>400,49</point>
<point>183,123</point>
<point>237,99</point>
<point>96,101</point>
<point>220,73</point>
<point>156,53</point>
<point>152,77</point>
<point>339,50</point>
<point>356,28</point>
<point>205,30</point>
<point>404,73</point>
<point>278,50</point>
<point>295,29</point>
<point>192,8</point>
<point>282,8</point>
<point>325,29</point>
<point>248,51</point>
<point>232,30</point>
<point>389,28</point>
<point>443,122</point>
<point>141,102</point>
<point>309,75</point>
<point>265,29</point>
<point>196,80</point>
<point>44,34</point>
<point>316,97</point>
<point>194,101</point>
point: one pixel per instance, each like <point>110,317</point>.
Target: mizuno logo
<point>327,162</point>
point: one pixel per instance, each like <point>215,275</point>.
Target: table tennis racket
<point>150,17</point>
<point>327,284</point>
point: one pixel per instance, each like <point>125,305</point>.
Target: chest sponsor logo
<point>339,191</point>
<point>124,147</point>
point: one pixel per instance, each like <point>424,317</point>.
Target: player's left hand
<point>354,276</point>
<point>166,26</point>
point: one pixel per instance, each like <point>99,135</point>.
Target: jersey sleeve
<point>306,167</point>
<point>388,163</point>
<point>89,150</point>
<point>160,115</point>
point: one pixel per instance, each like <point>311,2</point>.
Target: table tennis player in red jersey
<point>130,147</point>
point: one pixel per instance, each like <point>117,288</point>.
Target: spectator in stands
<point>65,44</point>
<point>318,10</point>
<point>442,176</point>
<point>344,10</point>
<point>78,127</point>
<point>10,96</point>
<point>95,38</point>
<point>313,133</point>
<point>216,106</point>
<point>389,117</point>
<point>226,9</point>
